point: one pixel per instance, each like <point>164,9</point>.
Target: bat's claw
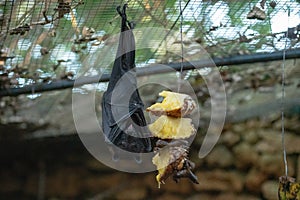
<point>115,155</point>
<point>138,159</point>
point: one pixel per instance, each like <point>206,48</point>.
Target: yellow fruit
<point>174,104</point>
<point>168,161</point>
<point>288,189</point>
<point>166,127</point>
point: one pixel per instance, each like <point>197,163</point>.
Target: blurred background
<point>46,45</point>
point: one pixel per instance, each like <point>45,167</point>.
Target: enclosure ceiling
<point>44,41</point>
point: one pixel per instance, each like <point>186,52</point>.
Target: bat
<point>123,114</point>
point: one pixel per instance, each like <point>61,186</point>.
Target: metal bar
<point>154,69</point>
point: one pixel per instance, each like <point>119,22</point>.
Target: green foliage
<point>262,27</point>
<point>170,3</point>
<point>143,55</point>
<point>236,10</point>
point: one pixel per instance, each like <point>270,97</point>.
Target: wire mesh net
<point>48,40</point>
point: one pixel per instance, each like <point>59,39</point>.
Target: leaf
<point>256,13</point>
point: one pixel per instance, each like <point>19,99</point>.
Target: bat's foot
<point>123,11</point>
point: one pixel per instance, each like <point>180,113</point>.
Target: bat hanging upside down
<point>123,114</point>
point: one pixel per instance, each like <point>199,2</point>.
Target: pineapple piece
<point>161,161</point>
<point>166,127</point>
<point>173,161</point>
<point>169,161</point>
<point>174,104</point>
<point>171,158</point>
<point>288,188</point>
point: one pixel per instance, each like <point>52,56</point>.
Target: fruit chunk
<point>288,188</point>
<point>166,127</point>
<point>169,161</point>
<point>174,104</point>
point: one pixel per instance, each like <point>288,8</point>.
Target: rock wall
<point>248,159</point>
<point>244,165</point>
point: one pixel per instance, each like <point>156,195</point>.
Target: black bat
<point>122,107</point>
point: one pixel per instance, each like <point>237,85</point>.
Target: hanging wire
<point>282,102</point>
<point>181,42</point>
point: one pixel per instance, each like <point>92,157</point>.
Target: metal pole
<point>154,69</point>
